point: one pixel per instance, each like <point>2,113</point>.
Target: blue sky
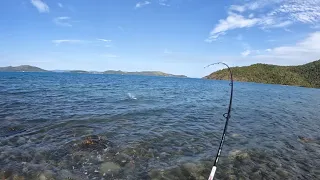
<point>174,36</point>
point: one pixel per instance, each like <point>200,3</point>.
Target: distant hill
<point>144,73</point>
<point>23,68</point>
<point>307,75</point>
<point>27,68</point>
<point>78,71</point>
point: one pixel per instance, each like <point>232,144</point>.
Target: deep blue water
<point>86,126</point>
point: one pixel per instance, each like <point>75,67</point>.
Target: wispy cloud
<point>110,55</point>
<point>281,24</point>
<point>317,26</point>
<point>60,5</point>
<point>271,40</point>
<point>246,53</point>
<point>233,21</point>
<point>142,4</point>
<point>275,14</point>
<point>309,45</point>
<point>62,21</point>
<point>121,28</point>
<point>237,8</point>
<point>300,10</point>
<point>166,51</point>
<point>104,40</point>
<point>41,6</point>
<point>67,41</point>
<point>163,3</point>
<point>302,52</point>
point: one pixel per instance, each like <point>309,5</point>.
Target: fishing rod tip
<point>212,64</point>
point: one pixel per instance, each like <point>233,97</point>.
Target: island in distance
<point>307,75</point>
<point>23,68</point>
<point>27,68</point>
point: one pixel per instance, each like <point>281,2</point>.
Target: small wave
<point>131,96</point>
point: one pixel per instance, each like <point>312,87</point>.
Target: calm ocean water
<point>85,126</point>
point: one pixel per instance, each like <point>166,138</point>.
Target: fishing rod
<point>227,116</point>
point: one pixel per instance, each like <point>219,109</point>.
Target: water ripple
<point>134,127</point>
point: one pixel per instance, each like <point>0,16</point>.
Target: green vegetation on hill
<point>307,75</point>
<point>23,68</point>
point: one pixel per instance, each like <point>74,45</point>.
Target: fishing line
<point>227,116</point>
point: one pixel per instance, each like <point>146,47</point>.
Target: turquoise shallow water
<point>83,126</point>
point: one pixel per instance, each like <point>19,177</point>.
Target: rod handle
<point>213,171</point>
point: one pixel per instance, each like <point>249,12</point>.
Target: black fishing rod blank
<point>227,116</point>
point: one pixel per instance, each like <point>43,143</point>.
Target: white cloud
<point>301,10</point>
<point>255,5</point>
<point>269,22</point>
<point>40,5</point>
<point>214,37</point>
<point>141,4</point>
<point>246,53</point>
<point>288,30</point>
<point>250,6</point>
<point>237,8</point>
<point>104,40</point>
<point>69,41</point>
<point>299,53</point>
<point>275,14</point>
<point>233,21</point>
<point>163,2</point>
<point>282,24</point>
<point>60,5</point>
<point>62,21</point>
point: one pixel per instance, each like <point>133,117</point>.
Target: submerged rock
<point>238,154</point>
<point>21,140</point>
<point>304,139</point>
<point>11,130</point>
<point>282,173</point>
<point>42,177</point>
<point>187,171</point>
<point>308,140</point>
<point>94,142</point>
<point>190,167</point>
<point>66,174</point>
<point>235,135</point>
<point>109,167</point>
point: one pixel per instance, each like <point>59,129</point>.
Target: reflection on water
<point>77,126</point>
